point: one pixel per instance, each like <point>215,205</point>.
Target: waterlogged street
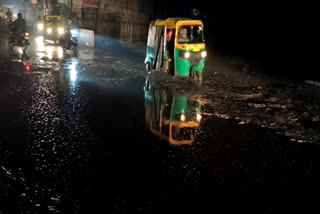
<point>93,133</point>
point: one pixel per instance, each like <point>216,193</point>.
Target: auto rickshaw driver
<point>183,37</point>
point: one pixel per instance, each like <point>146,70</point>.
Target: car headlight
<point>60,30</point>
<point>186,55</point>
<point>49,30</point>
<point>204,54</point>
<point>40,26</point>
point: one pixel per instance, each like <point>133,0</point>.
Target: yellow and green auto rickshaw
<point>172,116</point>
<point>176,46</point>
<point>53,29</point>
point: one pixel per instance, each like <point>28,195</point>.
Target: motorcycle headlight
<point>49,30</point>
<point>40,26</point>
<point>73,32</point>
<point>204,54</point>
<point>60,30</point>
<point>186,55</point>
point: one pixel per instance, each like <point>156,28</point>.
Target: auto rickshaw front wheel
<point>148,68</point>
<point>199,80</point>
<point>197,76</point>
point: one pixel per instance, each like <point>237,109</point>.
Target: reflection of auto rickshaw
<point>166,52</point>
<point>53,28</point>
<point>171,117</point>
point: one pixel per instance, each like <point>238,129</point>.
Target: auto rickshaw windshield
<point>54,21</point>
<point>191,34</point>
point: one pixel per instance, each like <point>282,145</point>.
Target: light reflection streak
<point>39,43</point>
<point>50,52</point>
<point>60,52</point>
<point>73,71</point>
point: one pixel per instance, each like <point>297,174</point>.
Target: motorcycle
<point>19,40</point>
<point>70,41</point>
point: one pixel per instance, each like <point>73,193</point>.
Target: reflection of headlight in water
<point>198,117</point>
<point>73,71</point>
<point>39,42</point>
<point>182,117</point>
<point>49,51</point>
<point>73,75</point>
<point>60,53</point>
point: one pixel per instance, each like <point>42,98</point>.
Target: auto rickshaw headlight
<point>204,54</point>
<point>60,30</point>
<point>198,117</point>
<point>40,26</point>
<point>186,55</point>
<point>49,30</point>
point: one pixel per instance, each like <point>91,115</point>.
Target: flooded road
<point>94,134</point>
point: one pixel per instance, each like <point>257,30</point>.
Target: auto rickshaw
<point>172,116</point>
<point>166,52</point>
<point>53,29</point>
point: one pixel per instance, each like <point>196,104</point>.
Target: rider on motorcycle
<point>18,27</point>
<point>66,40</point>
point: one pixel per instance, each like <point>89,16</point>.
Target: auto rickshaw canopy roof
<point>171,22</point>
<point>53,20</point>
<point>47,18</point>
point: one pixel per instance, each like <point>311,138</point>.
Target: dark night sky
<point>275,33</point>
<point>272,33</point>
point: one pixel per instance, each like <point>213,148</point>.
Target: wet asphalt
<point>81,135</point>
